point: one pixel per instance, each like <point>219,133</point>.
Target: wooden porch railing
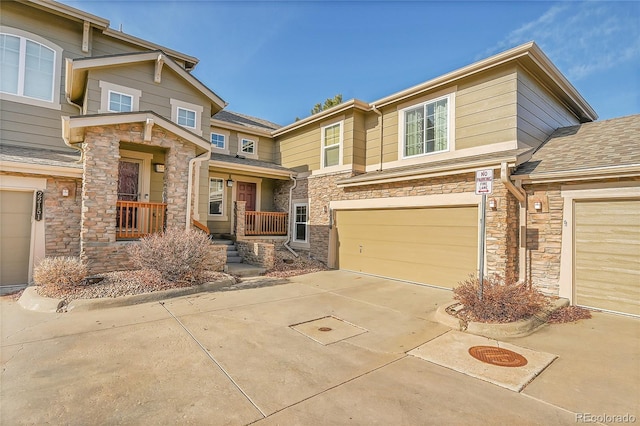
<point>135,219</point>
<point>265,223</point>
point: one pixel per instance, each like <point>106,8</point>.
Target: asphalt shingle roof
<point>246,120</point>
<point>17,154</point>
<point>606,143</point>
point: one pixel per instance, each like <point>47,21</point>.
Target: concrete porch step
<point>223,242</point>
<point>243,270</point>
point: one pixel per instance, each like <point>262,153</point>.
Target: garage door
<point>15,232</point>
<point>607,255</point>
<point>437,246</point>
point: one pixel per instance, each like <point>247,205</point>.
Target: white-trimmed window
<point>301,222</point>
<point>187,115</point>
<point>218,141</point>
<point>117,98</point>
<point>30,68</point>
<point>332,145</point>
<point>247,146</point>
<point>120,102</point>
<point>216,196</point>
<point>425,128</point>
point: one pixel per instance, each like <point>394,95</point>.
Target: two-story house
<point>106,137</point>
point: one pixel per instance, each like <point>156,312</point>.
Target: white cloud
<point>582,38</point>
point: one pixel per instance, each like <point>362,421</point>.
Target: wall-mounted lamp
<point>158,168</point>
<point>229,182</point>
<point>65,192</point>
<point>537,205</point>
<point>492,203</point>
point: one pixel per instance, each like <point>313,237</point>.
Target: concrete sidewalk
<point>234,358</point>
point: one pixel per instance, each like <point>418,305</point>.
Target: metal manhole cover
<point>497,356</point>
<point>325,329</point>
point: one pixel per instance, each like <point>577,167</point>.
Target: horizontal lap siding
<point>539,114</point>
<point>301,151</point>
<point>486,111</point>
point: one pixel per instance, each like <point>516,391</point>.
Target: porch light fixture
<point>537,205</point>
<point>158,168</point>
<point>229,182</point>
<point>492,203</point>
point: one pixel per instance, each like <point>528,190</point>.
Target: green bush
<point>59,271</point>
<point>178,255</point>
<point>501,301</point>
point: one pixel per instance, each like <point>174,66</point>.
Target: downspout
<point>286,244</point>
<point>66,141</point>
<point>192,162</point>
<point>377,111</point>
<point>521,196</point>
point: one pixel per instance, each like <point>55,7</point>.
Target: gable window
<point>426,128</point>
<point>216,196</point>
<point>120,102</point>
<point>29,69</point>
<point>217,141</point>
<point>247,146</point>
<point>187,115</point>
<point>301,222</point>
<point>331,144</point>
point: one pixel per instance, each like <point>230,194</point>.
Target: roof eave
<point>286,174</point>
<point>225,124</point>
<point>353,103</point>
<point>608,172</point>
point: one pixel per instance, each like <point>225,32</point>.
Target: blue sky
<point>276,59</point>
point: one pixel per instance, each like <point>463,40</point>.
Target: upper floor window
<point>426,128</point>
<point>247,146</point>
<point>119,102</point>
<point>331,144</point>
<point>218,140</point>
<point>117,98</point>
<point>29,69</point>
<point>187,115</point>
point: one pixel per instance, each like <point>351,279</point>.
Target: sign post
<point>484,186</point>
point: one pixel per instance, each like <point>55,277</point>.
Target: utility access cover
<point>328,330</point>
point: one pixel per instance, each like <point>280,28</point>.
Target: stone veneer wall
<point>216,258</point>
<point>256,253</point>
<point>98,246</point>
<point>502,223</point>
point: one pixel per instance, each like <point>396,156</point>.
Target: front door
<point>128,190</point>
<point>247,192</point>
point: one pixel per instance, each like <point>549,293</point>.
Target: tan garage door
<point>437,246</point>
<point>15,232</point>
<point>607,255</point>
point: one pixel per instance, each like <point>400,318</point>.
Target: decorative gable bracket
<point>158,74</point>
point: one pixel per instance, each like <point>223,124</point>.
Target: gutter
<point>519,193</point>
<point>286,243</point>
<point>200,158</point>
<point>66,139</point>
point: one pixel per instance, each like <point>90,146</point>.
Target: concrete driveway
<point>233,358</point>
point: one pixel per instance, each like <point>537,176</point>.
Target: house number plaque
<point>39,204</point>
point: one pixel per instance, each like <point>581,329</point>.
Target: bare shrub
<point>178,255</point>
<point>59,271</point>
<point>287,265</point>
<point>568,314</point>
<point>501,301</point>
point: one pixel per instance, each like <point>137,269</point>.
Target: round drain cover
<point>497,356</point>
<point>325,329</point>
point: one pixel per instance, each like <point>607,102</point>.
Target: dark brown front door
<point>247,192</point>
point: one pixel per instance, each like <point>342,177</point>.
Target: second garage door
<point>437,246</point>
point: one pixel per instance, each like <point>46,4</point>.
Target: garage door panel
<point>429,245</point>
<point>15,229</point>
<point>607,254</point>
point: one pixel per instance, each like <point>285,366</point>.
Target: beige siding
<point>203,189</point>
<point>155,97</point>
<point>486,110</point>
<point>266,148</point>
<point>359,140</point>
<point>539,113</point>
<point>372,143</point>
<point>390,135</point>
<point>102,45</point>
<point>300,150</point>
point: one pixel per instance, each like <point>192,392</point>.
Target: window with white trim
<point>331,145</point>
<point>247,146</point>
<point>120,102</point>
<point>426,128</point>
<point>28,68</point>
<point>301,222</point>
<point>186,117</point>
<point>216,196</point>
<point>218,141</point>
